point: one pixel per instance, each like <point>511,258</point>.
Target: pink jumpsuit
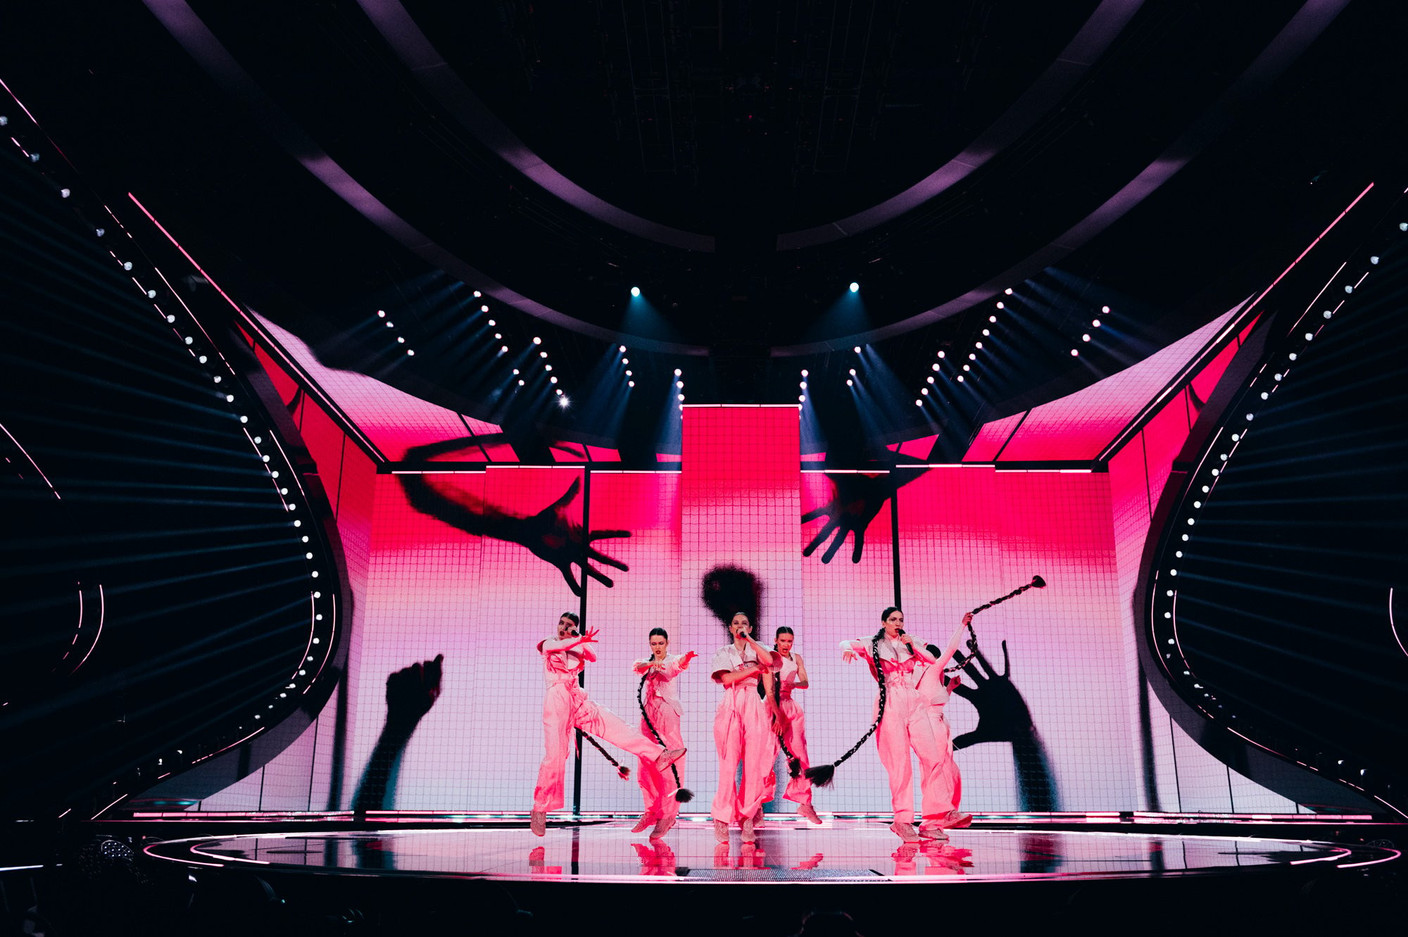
<point>662,705</point>
<point>911,723</point>
<point>565,707</point>
<point>743,736</point>
<point>799,789</point>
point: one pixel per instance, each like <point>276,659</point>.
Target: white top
<point>901,669</point>
<point>788,677</point>
<point>730,657</point>
<point>660,682</point>
<point>562,663</point>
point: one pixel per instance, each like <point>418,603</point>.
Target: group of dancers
<point>756,718</point>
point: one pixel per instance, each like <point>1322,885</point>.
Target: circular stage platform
<point>840,852</point>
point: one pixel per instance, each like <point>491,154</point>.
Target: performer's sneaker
<point>721,831</point>
<point>806,812</point>
<point>538,822</point>
<point>668,757</point>
<point>644,821</point>
<point>904,831</point>
<point>664,825</point>
<point>933,832</point>
<point>749,834</point>
<point>956,820</point>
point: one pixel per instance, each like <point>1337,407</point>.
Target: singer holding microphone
<point>742,731</point>
<point>908,720</point>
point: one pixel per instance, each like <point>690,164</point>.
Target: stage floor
<point>841,851</point>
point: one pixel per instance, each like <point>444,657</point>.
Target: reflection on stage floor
<point>840,851</point>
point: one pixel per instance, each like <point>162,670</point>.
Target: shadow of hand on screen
<point>550,534</point>
<point>1003,716</point>
<point>410,693</point>
<point>855,500</point>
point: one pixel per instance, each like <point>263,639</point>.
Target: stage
<point>409,872</point>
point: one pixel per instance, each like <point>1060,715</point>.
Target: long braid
<point>794,764</point>
<point>621,769</point>
<point>822,775</point>
<point>682,794</point>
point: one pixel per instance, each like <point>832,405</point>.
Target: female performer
<point>565,707</point>
<point>660,720</point>
<point>792,732</point>
<point>907,721</point>
<point>742,731</point>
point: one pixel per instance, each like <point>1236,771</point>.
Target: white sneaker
<point>538,822</point>
<point>668,757</point>
<point>644,821</point>
<point>663,826</point>
<point>933,832</point>
<point>904,831</point>
<point>748,835</point>
<point>806,812</point>
<point>956,820</point>
<point>721,831</point>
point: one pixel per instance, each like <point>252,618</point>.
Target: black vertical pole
<point>895,540</point>
<point>582,614</point>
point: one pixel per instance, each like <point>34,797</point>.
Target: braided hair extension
<point>794,764</point>
<point>682,794</point>
<point>822,775</point>
<point>621,769</point>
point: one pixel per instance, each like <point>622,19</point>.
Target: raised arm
<point>765,657</point>
<point>953,643</point>
<point>801,682</point>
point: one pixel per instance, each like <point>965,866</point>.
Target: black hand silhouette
<point>411,691</point>
<point>855,500</point>
<point>1003,715</point>
<point>552,536</point>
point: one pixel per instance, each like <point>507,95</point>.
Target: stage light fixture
<point>520,382</point>
<point>1095,323</point>
<point>1075,353</point>
<point>942,353</point>
<point>553,379</point>
<point>856,349</point>
<point>101,231</point>
<point>170,319</point>
<point>978,345</point>
<point>986,333</point>
<point>483,308</point>
<point>542,354</point>
<point>803,385</point>
<point>381,313</point>
<point>1373,258</point>
<point>924,391</point>
<point>1309,336</point>
<point>1000,305</point>
<point>563,401</point>
<point>679,384</point>
<point>400,339</point>
<point>547,367</point>
<point>127,265</point>
<point>503,349</point>
<point>1349,287</point>
<point>630,383</point>
<point>853,372</point>
<point>1197,504</point>
<point>559,391</point>
<point>625,360</point>
<point>960,378</point>
<point>850,383</point>
<point>1008,291</point>
<point>967,368</point>
<point>855,287</point>
<point>1105,310</point>
<point>477,294</point>
<point>64,193</point>
<point>537,340</point>
<point>992,319</point>
<point>934,366</point>
<point>1265,395</point>
<point>498,336</point>
<point>805,372</point>
<point>801,398</point>
<point>622,349</point>
<point>972,356</point>
<point>919,403</point>
<point>492,323</point>
<point>678,372</point>
<point>629,373</point>
<point>635,291</point>
<point>229,398</point>
<point>930,379</point>
<point>680,397</point>
<point>1085,337</point>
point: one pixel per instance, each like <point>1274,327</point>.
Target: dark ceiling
<point>740,162</point>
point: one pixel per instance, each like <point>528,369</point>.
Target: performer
<point>742,732</point>
<point>907,721</point>
<point>792,731</point>
<point>565,707</point>
<point>660,720</point>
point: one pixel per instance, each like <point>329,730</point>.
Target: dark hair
<point>889,610</point>
<point>570,615</point>
<point>780,632</point>
<point>660,631</point>
<point>794,764</point>
<point>728,625</point>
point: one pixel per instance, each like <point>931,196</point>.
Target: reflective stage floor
<point>839,852</point>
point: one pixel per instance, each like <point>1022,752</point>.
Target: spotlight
<point>1095,323</point>
<point>520,382</point>
<point>680,397</point>
<point>1000,306</point>
<point>515,372</point>
<point>919,403</point>
<point>625,360</point>
<point>850,383</point>
<point>924,391</point>
<point>1327,313</point>
<point>992,319</point>
<point>499,336</point>
<point>802,384</point>
<point>805,373</point>
<point>1074,353</point>
<point>853,372</point>
<point>1008,291</point>
<point>400,340</point>
<point>390,324</point>
<point>967,368</point>
<point>483,308</point>
<point>978,345</point>
<point>492,323</point>
<point>679,384</point>
<point>553,379</point>
<point>64,193</point>
<point>678,372</point>
<point>934,366</point>
<point>101,231</point>
<point>503,349</point>
<point>1085,337</point>
<point>628,373</point>
<point>563,401</point>
<point>477,294</point>
<point>542,354</point>
<point>801,398</point>
<point>1309,336</point>
<point>635,291</point>
<point>856,349</point>
<point>855,287</point>
<point>558,390</point>
<point>972,356</point>
<point>127,265</point>
<point>547,367</point>
<point>381,313</point>
<point>930,379</point>
<point>941,353</point>
<point>622,349</point>
<point>1105,310</point>
<point>630,383</point>
<point>1349,288</point>
<point>537,340</point>
<point>1373,258</point>
<point>960,378</point>
<point>986,333</point>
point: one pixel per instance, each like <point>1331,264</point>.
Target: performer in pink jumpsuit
<point>565,707</point>
<point>793,676</point>
<point>743,731</point>
<point>908,724</point>
<point>661,704</point>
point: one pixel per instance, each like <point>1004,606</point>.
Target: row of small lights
<point>400,339</point>
<point>1166,604</point>
<point>196,342</point>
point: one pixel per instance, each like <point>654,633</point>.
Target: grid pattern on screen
<point>739,506</point>
<point>393,420</point>
<point>991,437</point>
<point>644,597</point>
<point>968,535</point>
<point>843,600</point>
<point>1080,425</point>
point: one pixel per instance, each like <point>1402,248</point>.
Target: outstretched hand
<point>589,636</point>
<point>1003,715</point>
<point>554,537</point>
<point>855,500</point>
<point>684,661</point>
